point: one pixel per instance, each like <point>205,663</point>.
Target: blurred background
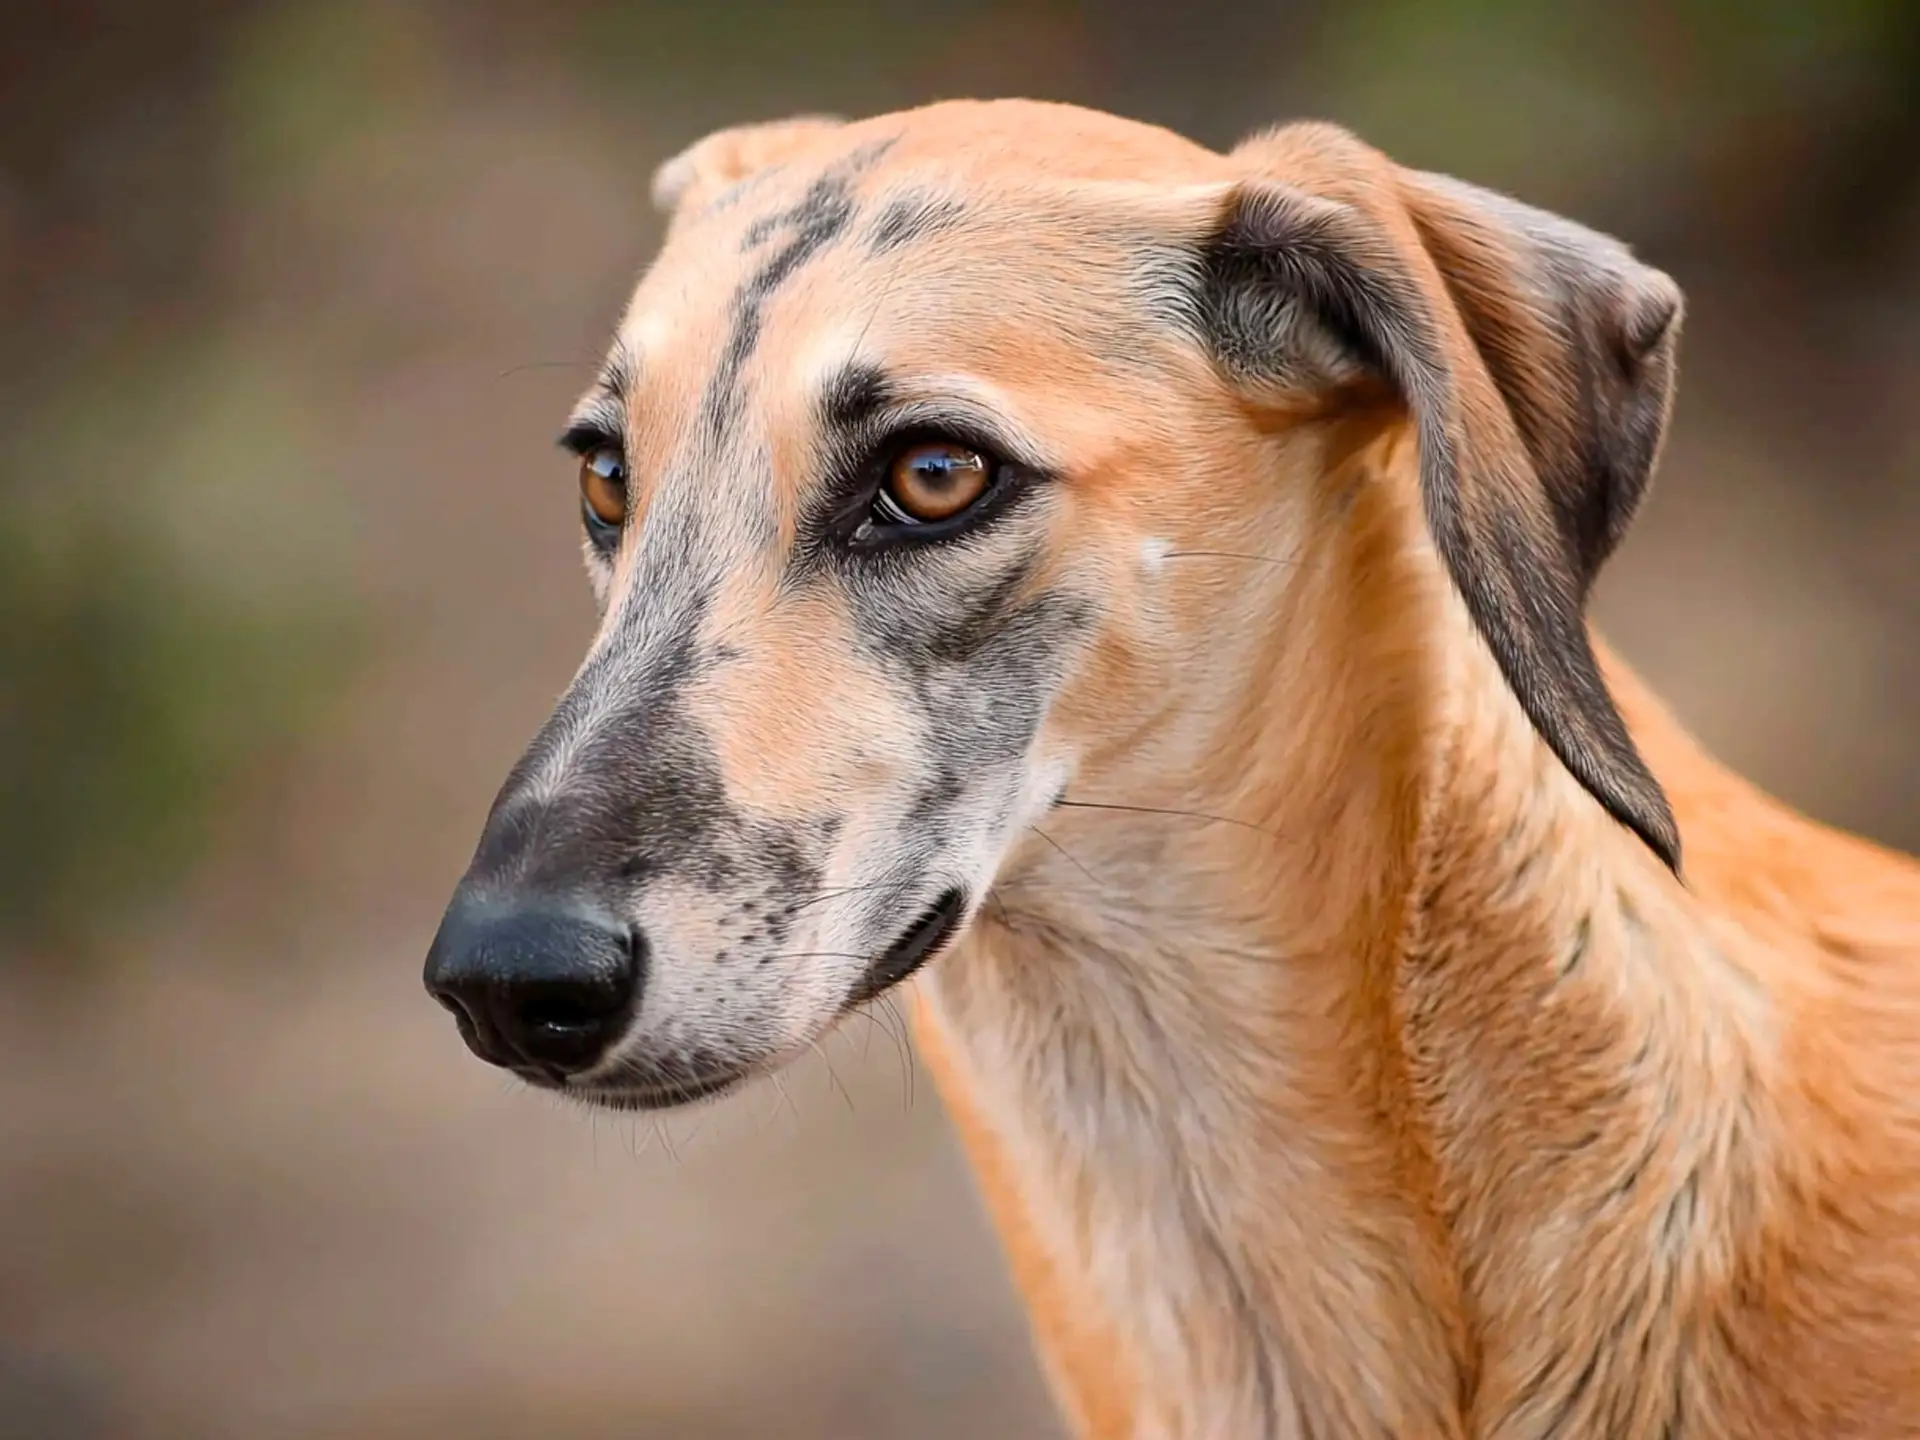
<point>293,297</point>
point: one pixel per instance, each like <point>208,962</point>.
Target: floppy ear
<point>1536,359</point>
<point>708,166</point>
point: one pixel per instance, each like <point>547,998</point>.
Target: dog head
<point>877,487</point>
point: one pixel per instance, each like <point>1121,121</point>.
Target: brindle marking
<point>816,221</point>
<point>911,218</point>
<point>1337,1062</point>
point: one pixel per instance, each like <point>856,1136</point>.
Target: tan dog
<point>1153,581</point>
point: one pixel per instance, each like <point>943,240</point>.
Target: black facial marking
<point>982,662</point>
<point>815,221</point>
<point>912,948</point>
<point>940,794</point>
<point>853,397</point>
<point>643,795</point>
<point>979,617</point>
<point>913,217</point>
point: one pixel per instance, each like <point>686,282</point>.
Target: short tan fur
<point>1369,1012</point>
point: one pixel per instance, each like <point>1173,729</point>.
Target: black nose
<point>532,985</point>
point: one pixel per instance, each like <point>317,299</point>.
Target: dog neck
<point>1317,1099</point>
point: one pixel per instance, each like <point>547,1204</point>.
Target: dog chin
<point>632,1095</point>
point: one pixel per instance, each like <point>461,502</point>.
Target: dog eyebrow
<point>860,404</point>
<point>588,434</point>
<point>621,372</point>
<point>854,395</point>
<point>601,417</point>
<point>599,421</point>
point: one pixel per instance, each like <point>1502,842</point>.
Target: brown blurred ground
<point>295,296</point>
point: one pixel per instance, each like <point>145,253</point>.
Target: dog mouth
<point>917,944</point>
<point>660,1096</point>
<point>688,1084</point>
<point>630,1089</point>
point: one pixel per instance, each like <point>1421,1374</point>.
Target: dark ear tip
<point>1664,837</point>
<point>1643,808</point>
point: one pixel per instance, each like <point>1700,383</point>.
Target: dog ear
<point>1536,359</point>
<point>708,166</point>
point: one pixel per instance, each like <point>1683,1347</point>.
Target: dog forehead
<point>980,145</point>
<point>907,241</point>
<point>920,241</point>
<point>993,154</point>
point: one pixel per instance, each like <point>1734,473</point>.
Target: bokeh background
<point>293,297</point>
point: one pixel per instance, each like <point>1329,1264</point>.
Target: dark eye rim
<point>886,500</point>
<point>604,537</point>
<point>583,441</point>
<point>865,527</point>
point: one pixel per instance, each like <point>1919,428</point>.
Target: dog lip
<point>916,945</point>
<point>661,1096</point>
<point>618,1092</point>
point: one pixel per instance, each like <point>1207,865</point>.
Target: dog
<point>1140,591</point>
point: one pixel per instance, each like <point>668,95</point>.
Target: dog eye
<point>932,481</point>
<point>603,487</point>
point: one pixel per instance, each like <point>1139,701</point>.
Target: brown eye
<point>603,486</point>
<point>934,481</point>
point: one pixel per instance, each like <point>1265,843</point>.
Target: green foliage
<point>302,84</point>
<point>1561,97</point>
<point>158,636</point>
<point>760,59</point>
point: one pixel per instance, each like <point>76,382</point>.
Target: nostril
<point>468,1007</point>
<point>529,985</point>
<point>568,1025</point>
<point>571,1006</point>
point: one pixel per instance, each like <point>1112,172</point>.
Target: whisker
<point>786,1099</point>
<point>873,1013</point>
<point>699,1119</point>
<point>1062,850</point>
<point>820,955</point>
<point>541,365</point>
<point>1159,810</point>
<point>886,287</point>
<point>833,1077</point>
<point>827,895</point>
<point>664,1133</point>
<point>1287,560</point>
<point>859,1049</point>
<point>905,1044</point>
